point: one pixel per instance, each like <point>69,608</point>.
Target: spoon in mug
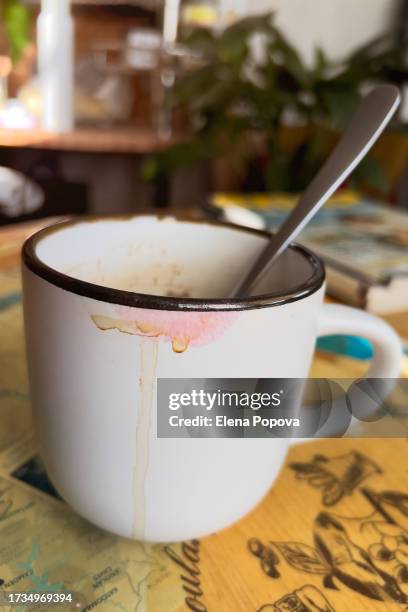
<point>367,124</point>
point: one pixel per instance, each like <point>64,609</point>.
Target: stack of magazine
<point>363,244</point>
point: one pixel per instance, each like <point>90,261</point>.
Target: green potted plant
<point>17,25</point>
<point>270,120</point>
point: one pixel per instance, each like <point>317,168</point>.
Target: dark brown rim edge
<point>154,302</point>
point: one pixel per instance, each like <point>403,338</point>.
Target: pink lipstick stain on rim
<point>182,330</point>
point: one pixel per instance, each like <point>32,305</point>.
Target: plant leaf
<point>17,21</point>
<point>370,174</point>
<point>340,102</point>
<point>303,557</point>
<point>320,63</point>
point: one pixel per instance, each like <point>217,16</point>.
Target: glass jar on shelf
<point>154,67</point>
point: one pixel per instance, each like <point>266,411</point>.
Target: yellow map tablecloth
<point>332,534</point>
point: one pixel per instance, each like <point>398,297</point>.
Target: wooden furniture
<point>330,536</point>
<point>118,139</point>
<point>150,4</point>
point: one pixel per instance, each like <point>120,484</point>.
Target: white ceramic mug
<point>98,337</point>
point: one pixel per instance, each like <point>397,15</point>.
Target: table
<point>330,536</point>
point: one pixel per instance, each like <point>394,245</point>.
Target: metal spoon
<point>366,126</point>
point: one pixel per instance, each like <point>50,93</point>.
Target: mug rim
<point>156,302</point>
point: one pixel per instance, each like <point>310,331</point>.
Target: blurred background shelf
<point>148,4</point>
<point>124,75</point>
<point>124,140</point>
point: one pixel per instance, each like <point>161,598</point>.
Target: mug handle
<point>337,319</point>
<point>365,395</point>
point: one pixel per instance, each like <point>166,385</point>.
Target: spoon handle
<point>366,126</point>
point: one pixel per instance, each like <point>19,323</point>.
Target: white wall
<point>336,25</point>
